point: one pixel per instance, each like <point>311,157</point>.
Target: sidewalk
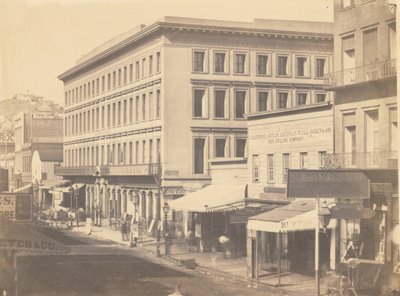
<point>213,264</point>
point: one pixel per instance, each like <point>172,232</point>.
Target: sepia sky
<point>40,39</point>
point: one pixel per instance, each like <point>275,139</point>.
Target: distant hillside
<point>10,107</point>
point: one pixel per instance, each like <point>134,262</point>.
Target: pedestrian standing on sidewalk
<point>123,228</point>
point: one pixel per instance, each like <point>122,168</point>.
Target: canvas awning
<point>23,189</point>
<point>299,215</point>
<point>213,198</point>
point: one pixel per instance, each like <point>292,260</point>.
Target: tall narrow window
<point>151,106</point>
<point>282,65</point>
<point>158,62</point>
<point>130,72</point>
<point>144,151</point>
<point>199,155</point>
<point>108,115</point>
<point>262,101</point>
<point>349,136</point>
<point>282,100</point>
<point>144,106</point>
<point>158,104</point>
<point>130,152</point>
<point>119,113</point>
<point>262,64</point>
<point>320,68</point>
<point>97,86</point>
<point>108,81</point>
<point>220,147</point>
<point>150,151</point>
<point>137,152</point>
<point>198,61</point>
<point>285,166</point>
<point>103,82</point>
<point>240,104</point>
<point>137,71</point>
<point>321,158</point>
<point>125,75</point>
<point>220,102</point>
<point>371,131</point>
<point>130,110</point>
<point>393,129</point>
<point>303,160</point>
<point>199,103</point>
<point>143,68</point>
<point>151,65</point>
<point>240,147</point>
<point>137,108</point>
<point>270,168</point>
<point>392,41</point>
<point>301,66</point>
<point>370,46</point>
<point>219,62</point>
<point>348,59</point>
<point>256,168</point>
<point>158,150</point>
<point>240,60</point>
<point>114,114</point>
<point>114,79</point>
<point>124,111</point>
<point>301,99</point>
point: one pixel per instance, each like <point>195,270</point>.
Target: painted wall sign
<point>6,137</point>
<point>17,207</point>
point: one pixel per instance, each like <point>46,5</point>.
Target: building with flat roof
<point>161,100</point>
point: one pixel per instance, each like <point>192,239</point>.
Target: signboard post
<point>16,206</point>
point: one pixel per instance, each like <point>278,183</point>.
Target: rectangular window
<point>130,72</point>
<point>124,111</point>
<point>130,110</point>
<point>137,71</point>
<point>125,75</point>
<point>240,61</point>
<point>151,106</point>
<point>371,131</point>
<point>103,82</point>
<point>137,109</point>
<point>198,61</point>
<point>143,68</point>
<point>262,101</point>
<point>151,65</point>
<point>144,151</point>
<point>392,41</point>
<point>108,81</point>
<point>158,150</point>
<point>158,104</point>
<point>158,65</point>
<point>301,99</point>
<point>108,115</point>
<point>150,151</point>
<point>97,86</point>
<point>240,147</point>
<point>256,168</point>
<point>144,106</point>
<point>220,104</point>
<point>219,62</point>
<point>262,64</point>
<point>301,66</point>
<point>130,152</point>
<point>370,46</point>
<point>303,160</point>
<point>84,91</point>
<point>137,152</point>
<point>285,166</point>
<point>114,114</point>
<point>393,129</point>
<point>320,68</point>
<point>282,100</point>
<point>199,155</point>
<point>349,135</point>
<point>282,65</point>
<point>270,168</point>
<point>102,116</point>
<point>321,98</point>
<point>240,104</point>
<point>119,113</point>
<point>114,81</point>
<point>220,147</point>
<point>321,158</point>
<point>199,103</point>
<point>88,89</point>
<point>97,117</point>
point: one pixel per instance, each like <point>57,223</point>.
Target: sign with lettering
<point>6,137</point>
<point>17,207</point>
<point>178,190</point>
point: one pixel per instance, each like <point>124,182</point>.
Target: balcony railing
<point>371,72</point>
<point>149,169</point>
<point>361,160</point>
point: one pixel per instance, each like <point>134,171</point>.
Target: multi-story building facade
<point>364,81</point>
<point>34,134</point>
<point>176,93</point>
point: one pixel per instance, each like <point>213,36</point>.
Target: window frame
<point>204,109</point>
<point>287,99</point>
<point>325,70</point>
<point>307,102</point>
<point>316,97</point>
<point>255,172</point>
<point>205,60</point>
<point>285,169</point>
<point>307,66</point>
<point>246,102</point>
<point>226,62</point>
<point>267,66</point>
<point>270,169</point>
<point>288,65</point>
<point>245,65</point>
<point>226,103</point>
<point>221,138</point>
<point>236,146</point>
<point>268,103</point>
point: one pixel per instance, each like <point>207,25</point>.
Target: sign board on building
<point>173,190</point>
<point>16,206</point>
<point>327,184</point>
<point>6,137</point>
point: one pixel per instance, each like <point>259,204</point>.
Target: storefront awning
<point>299,215</point>
<point>25,189</point>
<point>213,198</point>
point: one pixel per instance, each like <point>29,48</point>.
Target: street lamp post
<point>71,195</point>
<point>166,210</point>
<point>324,217</point>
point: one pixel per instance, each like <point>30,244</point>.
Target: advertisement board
<point>16,206</point>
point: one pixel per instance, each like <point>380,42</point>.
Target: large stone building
<point>176,93</point>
